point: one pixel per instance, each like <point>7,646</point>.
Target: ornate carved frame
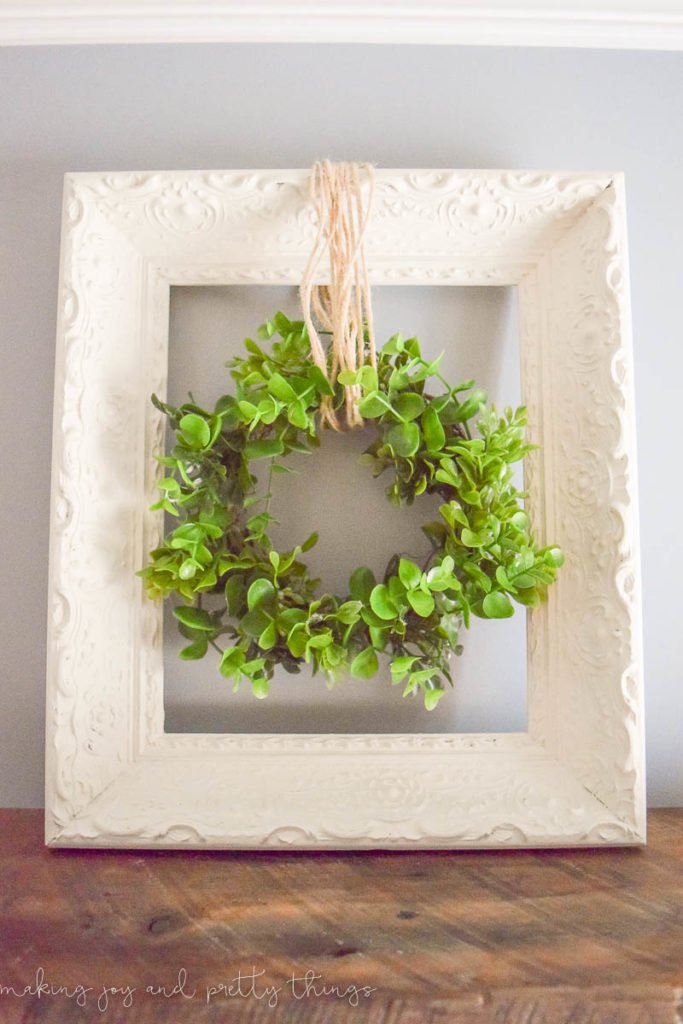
<point>114,778</point>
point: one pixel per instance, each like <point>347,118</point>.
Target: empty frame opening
<point>334,494</point>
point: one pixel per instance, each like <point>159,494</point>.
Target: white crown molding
<point>614,24</point>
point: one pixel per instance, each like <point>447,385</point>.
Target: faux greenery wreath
<point>270,612</point>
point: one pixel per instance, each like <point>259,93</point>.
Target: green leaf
<point>478,575</point>
<point>530,598</point>
<point>252,347</point>
<point>554,557</point>
<point>260,687</point>
<point>409,573</point>
<point>187,532</point>
<point>378,636</point>
<point>381,603</point>
<point>322,385</point>
<point>447,408</point>
<point>290,617</point>
<point>423,676</point>
<point>166,505</point>
<point>195,650</point>
<point>422,604</point>
<point>268,637</point>
<point>440,579</point>
<point>432,429</point>
<point>208,581</point>
<point>253,380</point>
<point>188,570</point>
<point>296,414</point>
<point>283,324</point>
<point>502,578</point>
<point>195,432</point>
<point>435,364</point>
<point>261,591</point>
<point>194,618</point>
<point>432,697</point>
<point>471,497</point>
<point>401,666</point>
<point>310,542</point>
<point>349,612</point>
<point>361,584</point>
<point>365,664</point>
<point>232,661</point>
<point>228,564</point>
<point>497,605</point>
<point>169,484</point>
<point>348,377</point>
<point>394,345</point>
<point>374,405</point>
<point>398,379</point>
<point>397,592</point>
<point>259,523</point>
<point>250,668</point>
<point>447,474</point>
<point>234,594</point>
<point>471,405</point>
<point>210,529</point>
<point>297,640</point>
<point>320,641</point>
<point>247,409</point>
<point>404,438</point>
<point>168,410</point>
<point>269,409</point>
<point>409,405</point>
<point>254,622</point>
<point>264,449</point>
<point>266,330</point>
<point>471,539</point>
<point>367,378</point>
<point>523,561</point>
<point>280,388</point>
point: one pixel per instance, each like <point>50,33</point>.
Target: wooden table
<point>544,937</point>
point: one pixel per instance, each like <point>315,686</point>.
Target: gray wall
<point>268,106</point>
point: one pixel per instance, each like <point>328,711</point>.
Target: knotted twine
<point>343,307</point>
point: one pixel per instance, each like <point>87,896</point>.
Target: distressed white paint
<point>114,777</point>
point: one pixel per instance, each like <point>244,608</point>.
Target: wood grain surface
<point>512,937</point>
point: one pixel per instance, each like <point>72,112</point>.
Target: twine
<point>343,307</point>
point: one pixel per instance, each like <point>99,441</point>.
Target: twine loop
<point>342,308</point>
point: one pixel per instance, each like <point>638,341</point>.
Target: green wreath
<point>270,613</point>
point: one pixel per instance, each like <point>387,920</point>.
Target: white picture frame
<point>114,778</point>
